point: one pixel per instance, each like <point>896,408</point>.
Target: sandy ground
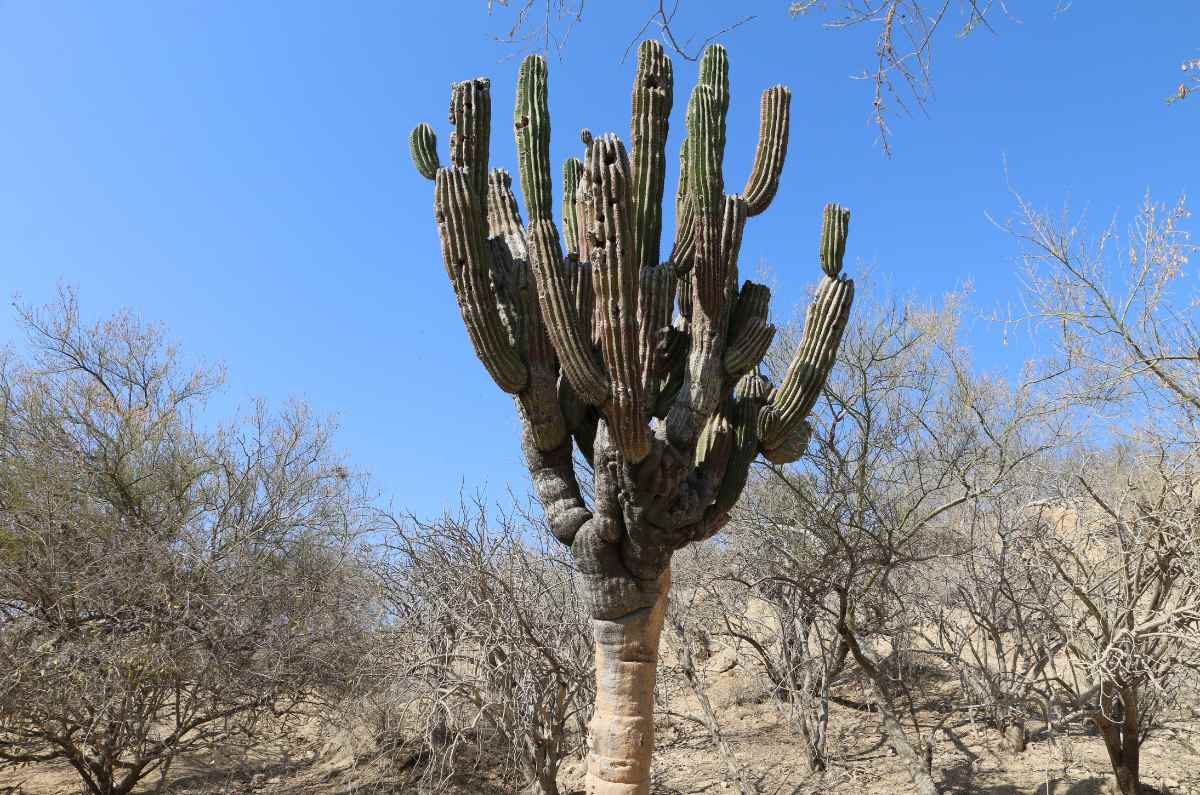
<point>968,759</point>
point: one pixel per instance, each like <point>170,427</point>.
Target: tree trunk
<point>1124,752</point>
<point>622,729</point>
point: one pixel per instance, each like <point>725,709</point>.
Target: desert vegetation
<point>830,554</point>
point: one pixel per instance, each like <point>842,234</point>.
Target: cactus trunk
<point>622,728</point>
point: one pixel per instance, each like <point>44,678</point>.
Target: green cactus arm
<point>750,333</point>
<point>714,73</point>
<point>810,366</point>
<point>471,115</point>
<point>750,395</point>
<point>464,253</point>
<point>652,98</point>
<point>734,212</point>
<point>616,280</point>
<point>823,327</point>
<point>656,302</point>
<point>572,172</point>
<point>835,227</point>
<point>773,128</point>
<point>705,193</point>
<point>422,146</point>
<point>685,238</point>
<point>568,332</point>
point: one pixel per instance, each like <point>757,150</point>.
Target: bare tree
<point>163,587</point>
<point>1122,319</point>
<point>863,531</point>
<point>487,648</point>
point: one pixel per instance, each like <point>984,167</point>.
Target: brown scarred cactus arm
<point>471,115</point>
<point>538,402</point>
<point>567,331</point>
<point>656,302</point>
<point>750,333</point>
<point>459,219</point>
<point>572,171</point>
<point>553,475</point>
<point>422,145</point>
<point>615,278</point>
<point>652,98</point>
<point>503,215</point>
<point>773,127</point>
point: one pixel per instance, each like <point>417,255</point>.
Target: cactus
<point>648,369</point>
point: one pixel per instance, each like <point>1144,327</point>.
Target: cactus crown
<point>647,366</point>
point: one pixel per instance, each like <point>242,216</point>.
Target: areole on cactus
<point>648,367</point>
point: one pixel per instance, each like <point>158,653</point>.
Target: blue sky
<point>239,172</point>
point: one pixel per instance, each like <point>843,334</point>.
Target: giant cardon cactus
<point>648,367</point>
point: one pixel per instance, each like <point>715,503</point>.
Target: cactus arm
<point>773,127</point>
<point>615,278</point>
<point>750,395</point>
<point>572,171</point>
<point>750,333</point>
<point>471,115</point>
<point>652,98</point>
<point>464,253</point>
<point>556,487</point>
<point>422,146</point>
<point>835,227</point>
<point>656,302</point>
<point>823,327</point>
<point>568,332</point>
<point>685,239</point>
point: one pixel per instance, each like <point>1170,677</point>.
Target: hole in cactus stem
<point>523,123</point>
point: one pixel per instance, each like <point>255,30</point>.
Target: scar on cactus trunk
<point>648,367</point>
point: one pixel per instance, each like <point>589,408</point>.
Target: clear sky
<point>239,172</point>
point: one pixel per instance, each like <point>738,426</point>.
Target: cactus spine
<point>649,369</point>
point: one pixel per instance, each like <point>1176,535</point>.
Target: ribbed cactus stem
<point>750,395</point>
<point>714,74</point>
<point>471,115</point>
<point>572,173</point>
<point>834,230</point>
<point>734,212</point>
<point>465,256</point>
<point>750,333</point>
<point>806,374</point>
<point>652,98</point>
<point>773,126</point>
<point>568,331</point>
<point>503,215</point>
<point>705,195</point>
<point>616,278</point>
<point>531,123</point>
<point>422,145</point>
<point>656,301</point>
<point>685,238</point>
